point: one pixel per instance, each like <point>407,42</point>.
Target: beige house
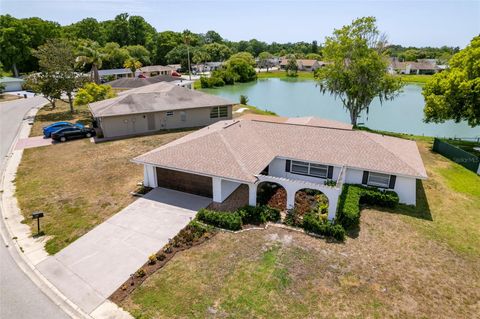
<point>153,70</point>
<point>293,153</point>
<point>303,64</point>
<point>155,107</point>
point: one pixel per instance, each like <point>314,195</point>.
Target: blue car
<point>48,130</point>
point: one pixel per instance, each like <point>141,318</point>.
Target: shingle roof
<point>130,83</point>
<point>307,120</point>
<point>155,68</point>
<point>241,149</point>
<point>156,97</point>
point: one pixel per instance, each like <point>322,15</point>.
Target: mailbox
<point>36,215</point>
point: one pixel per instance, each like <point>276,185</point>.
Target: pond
<point>292,98</point>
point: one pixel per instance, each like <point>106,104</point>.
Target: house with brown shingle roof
<point>155,107</point>
<point>295,153</point>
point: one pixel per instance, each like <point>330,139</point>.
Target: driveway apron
<point>90,269</point>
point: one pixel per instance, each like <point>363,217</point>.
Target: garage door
<point>184,182</point>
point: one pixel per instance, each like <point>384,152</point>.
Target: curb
<point>22,261</point>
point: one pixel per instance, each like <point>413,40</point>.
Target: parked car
<point>73,132</point>
<point>48,130</point>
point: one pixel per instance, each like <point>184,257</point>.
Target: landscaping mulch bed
<point>162,257</point>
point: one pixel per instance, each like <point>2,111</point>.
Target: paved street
<point>90,269</point>
<point>19,297</point>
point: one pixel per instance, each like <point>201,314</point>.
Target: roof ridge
<point>389,151</point>
<point>235,156</point>
<point>299,124</point>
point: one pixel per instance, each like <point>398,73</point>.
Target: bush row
<point>226,220</point>
<point>235,220</point>
<point>259,214</point>
<point>314,224</point>
<point>348,211</point>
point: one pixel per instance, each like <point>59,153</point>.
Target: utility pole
<point>187,43</point>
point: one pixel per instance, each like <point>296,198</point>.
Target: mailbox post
<point>37,215</point>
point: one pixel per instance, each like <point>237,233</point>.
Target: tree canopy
<point>454,94</point>
<point>356,72</point>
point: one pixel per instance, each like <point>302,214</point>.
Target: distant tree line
<point>131,37</point>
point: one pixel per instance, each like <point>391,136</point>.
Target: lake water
<point>292,98</point>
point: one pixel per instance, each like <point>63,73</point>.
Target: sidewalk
<point>31,250</point>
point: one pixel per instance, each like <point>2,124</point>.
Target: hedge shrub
<point>312,223</point>
<point>348,211</point>
<point>226,220</point>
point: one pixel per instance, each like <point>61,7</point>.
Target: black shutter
<point>330,172</point>
<point>287,166</point>
<point>365,178</point>
<point>393,178</point>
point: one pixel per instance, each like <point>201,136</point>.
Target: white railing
<point>284,180</point>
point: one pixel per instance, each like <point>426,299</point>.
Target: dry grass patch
<point>61,112</point>
<point>79,184</point>
<point>9,97</point>
<point>390,270</point>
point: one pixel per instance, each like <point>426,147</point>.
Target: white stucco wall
<point>406,188</point>
<point>149,176</point>
<point>223,188</point>
<point>353,176</point>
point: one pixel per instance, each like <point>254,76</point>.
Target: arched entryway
<point>311,200</point>
<point>272,194</point>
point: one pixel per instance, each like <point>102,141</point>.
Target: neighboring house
<point>425,66</point>
<point>115,73</point>
<point>303,64</point>
<point>207,67</point>
<point>157,107</point>
<point>295,153</point>
<point>132,83</point>
<point>153,70</point>
<point>12,84</point>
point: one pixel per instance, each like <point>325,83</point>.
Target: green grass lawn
<point>413,78</point>
<point>398,261</point>
<point>283,75</point>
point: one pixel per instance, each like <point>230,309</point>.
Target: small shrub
<point>293,218</point>
<point>152,259</point>
<point>312,223</point>
<point>226,220</point>
<point>243,99</point>
<point>211,82</point>
<point>258,214</point>
<point>140,273</point>
<point>330,182</point>
<point>161,257</point>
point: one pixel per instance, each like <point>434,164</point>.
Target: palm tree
<point>132,64</point>
<point>90,54</point>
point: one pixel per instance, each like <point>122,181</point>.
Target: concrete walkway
<point>30,142</point>
<point>89,270</point>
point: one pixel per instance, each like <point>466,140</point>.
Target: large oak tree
<point>356,70</point>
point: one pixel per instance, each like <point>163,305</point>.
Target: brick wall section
<point>184,182</point>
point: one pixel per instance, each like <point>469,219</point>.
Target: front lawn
<point>79,184</point>
<point>61,112</point>
<point>415,262</point>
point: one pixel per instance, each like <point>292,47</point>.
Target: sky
<point>408,23</point>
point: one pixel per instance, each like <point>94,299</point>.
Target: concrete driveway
<point>89,270</point>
